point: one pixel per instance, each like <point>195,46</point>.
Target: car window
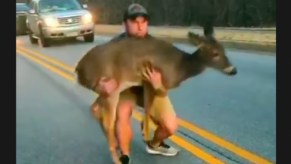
<point>21,7</point>
<point>46,6</point>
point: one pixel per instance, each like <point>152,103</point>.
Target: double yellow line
<point>66,71</point>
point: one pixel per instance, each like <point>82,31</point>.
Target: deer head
<point>211,52</point>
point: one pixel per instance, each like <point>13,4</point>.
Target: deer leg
<point>98,112</point>
<point>101,114</point>
<point>111,103</point>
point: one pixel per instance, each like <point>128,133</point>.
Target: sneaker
<point>124,159</point>
<point>162,149</point>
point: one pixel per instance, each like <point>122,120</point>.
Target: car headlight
<point>51,22</point>
<point>87,18</point>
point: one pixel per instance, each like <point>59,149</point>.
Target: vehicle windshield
<point>46,6</point>
<point>21,7</point>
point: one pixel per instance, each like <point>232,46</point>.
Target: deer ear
<point>208,30</point>
<point>194,38</point>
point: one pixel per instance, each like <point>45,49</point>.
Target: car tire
<point>42,41</point>
<point>89,37</point>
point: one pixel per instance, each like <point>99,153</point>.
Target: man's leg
<point>123,124</point>
<point>165,116</point>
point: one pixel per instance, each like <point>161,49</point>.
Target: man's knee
<point>170,125</point>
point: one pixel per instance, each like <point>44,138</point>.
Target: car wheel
<point>89,37</point>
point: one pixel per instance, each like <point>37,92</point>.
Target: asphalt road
<point>222,119</point>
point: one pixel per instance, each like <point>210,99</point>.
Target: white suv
<point>58,19</point>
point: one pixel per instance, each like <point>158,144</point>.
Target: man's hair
<point>134,10</point>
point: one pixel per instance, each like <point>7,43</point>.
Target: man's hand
<point>155,78</point>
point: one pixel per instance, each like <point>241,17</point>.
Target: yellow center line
<point>48,59</point>
<point>48,66</point>
<point>196,151</point>
<point>190,126</point>
<point>223,143</point>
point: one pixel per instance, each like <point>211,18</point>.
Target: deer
<point>126,59</point>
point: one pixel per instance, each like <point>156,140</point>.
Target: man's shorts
<point>162,106</point>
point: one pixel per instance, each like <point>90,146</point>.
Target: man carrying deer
<point>116,71</point>
<point>136,25</point>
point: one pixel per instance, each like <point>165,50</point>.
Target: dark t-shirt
<point>125,35</point>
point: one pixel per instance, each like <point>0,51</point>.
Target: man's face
<point>137,27</point>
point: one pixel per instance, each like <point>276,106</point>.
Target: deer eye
<point>215,53</point>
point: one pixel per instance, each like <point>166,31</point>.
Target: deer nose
<point>231,70</point>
